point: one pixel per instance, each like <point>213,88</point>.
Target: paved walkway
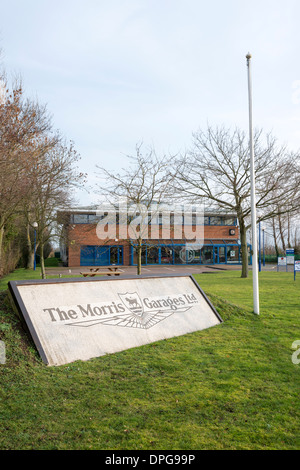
<point>190,269</point>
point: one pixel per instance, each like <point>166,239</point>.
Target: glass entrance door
<point>222,254</point>
<point>116,255</point>
<point>216,255</point>
<point>207,255</point>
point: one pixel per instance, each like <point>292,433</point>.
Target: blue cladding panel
<point>87,256</point>
<point>102,255</point>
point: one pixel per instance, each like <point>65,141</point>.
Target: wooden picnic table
<point>110,268</point>
<point>97,272</point>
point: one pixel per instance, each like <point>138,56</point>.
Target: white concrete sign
<point>78,319</point>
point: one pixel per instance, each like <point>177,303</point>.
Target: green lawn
<point>233,386</point>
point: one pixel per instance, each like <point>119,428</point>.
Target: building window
<point>208,255</point>
<point>80,218</point>
<point>219,253</point>
<point>179,254</point>
<point>232,254</point>
<point>143,255</point>
<point>166,255</point>
<point>153,255</point>
<point>93,218</point>
<point>216,221</point>
<point>229,221</point>
<point>90,218</point>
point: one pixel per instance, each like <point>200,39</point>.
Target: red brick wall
<point>85,234</point>
<point>222,232</point>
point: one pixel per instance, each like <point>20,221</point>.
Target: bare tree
<point>285,228</point>
<point>22,122</point>
<point>51,182</point>
<point>144,185</point>
<point>217,169</point>
<point>37,168</point>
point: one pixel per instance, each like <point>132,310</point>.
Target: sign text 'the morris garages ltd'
<point>132,311</point>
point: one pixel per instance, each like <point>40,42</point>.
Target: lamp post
<point>253,195</point>
<point>35,226</point>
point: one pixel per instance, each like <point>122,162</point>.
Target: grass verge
<point>233,386</point>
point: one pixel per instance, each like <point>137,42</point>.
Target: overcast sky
<point>114,73</point>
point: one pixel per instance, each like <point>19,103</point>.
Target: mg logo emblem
<point>133,303</point>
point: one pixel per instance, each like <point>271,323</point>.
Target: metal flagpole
<point>253,196</point>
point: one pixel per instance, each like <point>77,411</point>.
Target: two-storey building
<point>100,238</point>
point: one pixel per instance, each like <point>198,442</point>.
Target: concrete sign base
<point>78,319</point>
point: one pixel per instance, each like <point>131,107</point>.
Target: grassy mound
<point>20,349</point>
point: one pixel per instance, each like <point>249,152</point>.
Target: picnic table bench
<point>110,271</point>
<point>110,268</point>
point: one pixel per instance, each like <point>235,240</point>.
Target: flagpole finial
<point>248,56</point>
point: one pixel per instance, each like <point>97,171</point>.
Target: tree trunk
<point>30,260</point>
<point>42,260</point>
<point>30,251</point>
<point>1,244</point>
<point>275,237</point>
<point>281,233</point>
<point>289,231</point>
<point>139,258</point>
<point>244,249</point>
